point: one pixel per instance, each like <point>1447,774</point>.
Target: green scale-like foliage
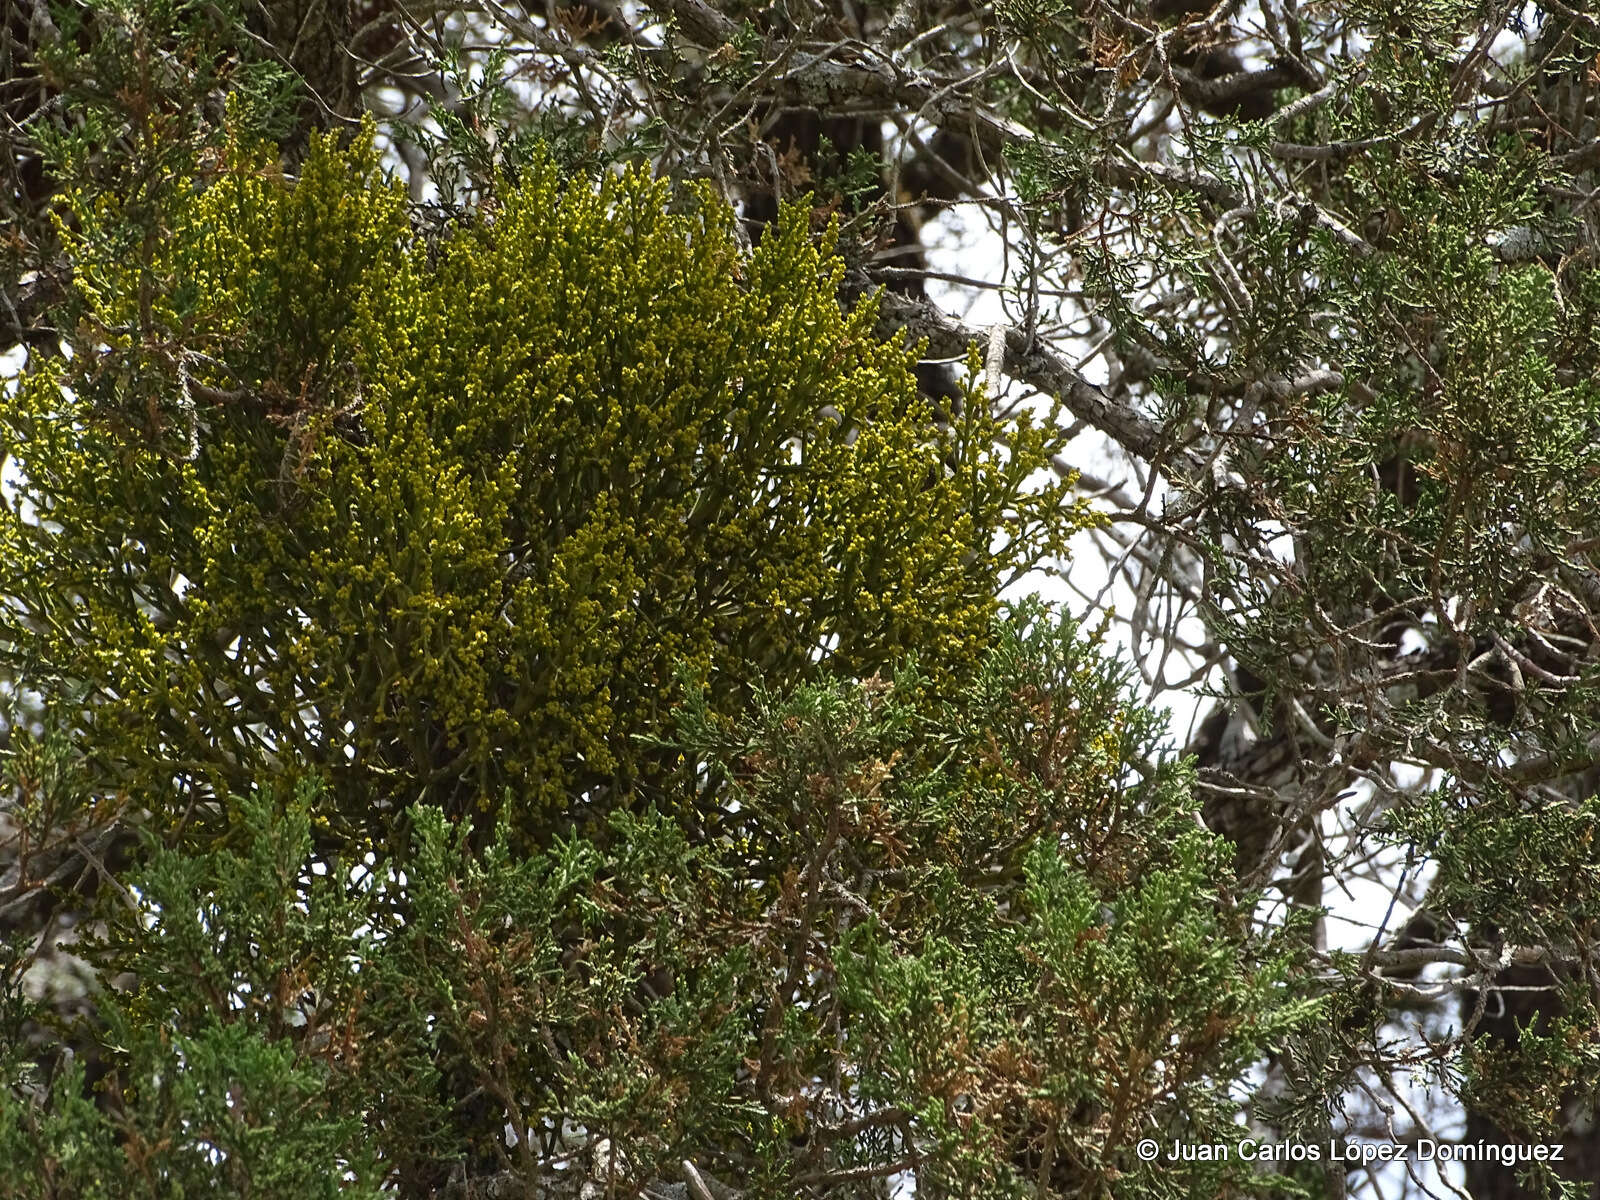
<point>448,515</point>
<point>978,945</point>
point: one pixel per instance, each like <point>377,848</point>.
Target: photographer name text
<point>1357,1154</point>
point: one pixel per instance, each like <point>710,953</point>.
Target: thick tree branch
<point>1040,368</point>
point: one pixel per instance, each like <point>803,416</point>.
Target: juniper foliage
<point>895,958</point>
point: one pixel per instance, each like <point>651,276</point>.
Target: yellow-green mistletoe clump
<point>447,516</point>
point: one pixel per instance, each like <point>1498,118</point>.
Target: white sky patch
<point>1279,542</point>
<point>11,363</point>
<point>1412,642</point>
<point>11,478</point>
<point>961,242</point>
